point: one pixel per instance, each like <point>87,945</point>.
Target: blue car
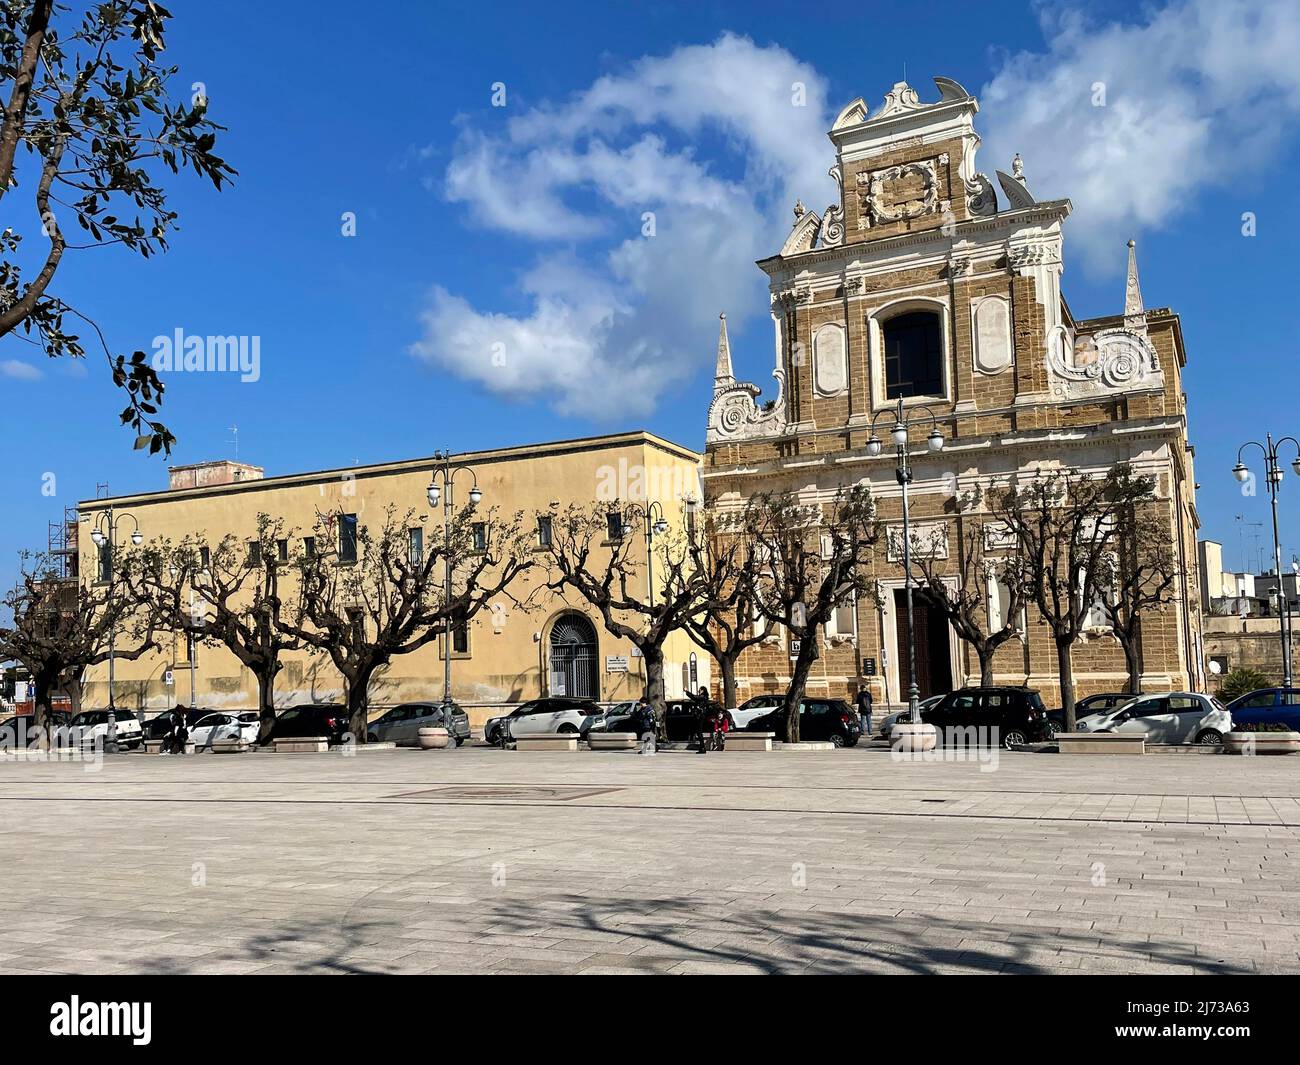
<point>1267,706</point>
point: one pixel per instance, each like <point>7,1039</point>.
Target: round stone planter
<point>434,739</point>
<point>907,737</point>
<point>1262,743</point>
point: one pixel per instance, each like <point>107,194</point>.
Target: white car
<point>222,726</point>
<point>755,707</point>
<point>555,714</point>
<point>1176,717</point>
<point>90,727</point>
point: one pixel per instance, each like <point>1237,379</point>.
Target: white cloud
<point>1198,94</point>
<point>20,371</point>
<point>710,140</point>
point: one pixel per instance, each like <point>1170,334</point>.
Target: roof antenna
<point>235,430</point>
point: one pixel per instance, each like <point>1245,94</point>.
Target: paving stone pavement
<point>478,860</point>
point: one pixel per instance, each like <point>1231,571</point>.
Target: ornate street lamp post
<point>1273,478</point>
<point>441,483</point>
<point>903,421</point>
<point>104,533</point>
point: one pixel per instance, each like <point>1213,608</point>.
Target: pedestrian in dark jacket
<point>864,710</point>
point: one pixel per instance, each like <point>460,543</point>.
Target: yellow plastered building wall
<point>512,655</point>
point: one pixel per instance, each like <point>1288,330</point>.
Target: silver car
<point>402,724</point>
<point>1176,717</point>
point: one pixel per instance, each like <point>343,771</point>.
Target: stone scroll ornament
<point>1113,360</point>
<point>735,414</point>
<point>873,189</point>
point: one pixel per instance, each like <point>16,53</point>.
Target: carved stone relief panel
<point>830,360</point>
<point>991,334</point>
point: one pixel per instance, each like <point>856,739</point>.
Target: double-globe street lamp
<point>441,483</point>
<point>903,421</point>
<point>104,533</point>
<point>1273,477</point>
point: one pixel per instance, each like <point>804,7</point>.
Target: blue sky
<point>521,226</point>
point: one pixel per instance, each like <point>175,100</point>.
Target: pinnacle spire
<point>1134,312</point>
<point>722,376</point>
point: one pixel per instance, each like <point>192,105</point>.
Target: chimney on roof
<point>207,474</point>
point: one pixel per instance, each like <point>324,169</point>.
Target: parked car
<point>617,715</point>
<point>551,714</point>
<point>158,726</point>
<point>222,726</point>
<point>401,725</point>
<point>819,719</point>
<point>681,718</point>
<point>93,726</point>
<point>312,719</point>
<point>890,720</point>
<point>16,729</point>
<point>1093,704</point>
<point>1178,717</point>
<point>1013,716</point>
<point>1267,706</point>
<point>755,707</point>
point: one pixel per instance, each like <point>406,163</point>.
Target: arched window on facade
<point>913,345</point>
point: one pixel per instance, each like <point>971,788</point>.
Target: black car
<point>158,727</point>
<point>1093,704</point>
<point>682,717</point>
<point>1011,716</point>
<point>312,719</point>
<point>819,719</point>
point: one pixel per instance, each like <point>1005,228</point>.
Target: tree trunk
<point>76,693</point>
<point>1065,668</point>
<point>727,665</point>
<point>1132,660</point>
<point>985,654</point>
<point>42,685</point>
<point>653,657</point>
<point>802,667</point>
<point>359,704</point>
<point>266,703</point>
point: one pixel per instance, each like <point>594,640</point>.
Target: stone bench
<point>1100,743</point>
<point>547,741</point>
<point>613,741</point>
<point>230,746</point>
<point>749,741</point>
<point>302,745</point>
<point>155,747</point>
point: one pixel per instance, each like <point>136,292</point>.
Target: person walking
<point>864,710</point>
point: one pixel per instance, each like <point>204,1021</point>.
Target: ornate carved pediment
<point>899,193</point>
<point>735,414</point>
<point>1114,360</point>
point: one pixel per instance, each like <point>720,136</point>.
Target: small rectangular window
<point>309,546</point>
<point>205,557</point>
<point>614,525</point>
<point>460,636</point>
<point>282,550</point>
<point>105,561</point>
<point>479,531</point>
<point>544,530</point>
<point>347,537</point>
<point>254,553</point>
<point>415,545</point>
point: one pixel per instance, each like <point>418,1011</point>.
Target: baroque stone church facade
<point>923,284</point>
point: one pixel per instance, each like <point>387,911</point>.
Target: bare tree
<point>1065,525</point>
<point>594,551</point>
<point>721,571</point>
<point>809,561</point>
<point>371,596</point>
<point>1143,578</point>
<point>959,582</point>
<point>60,628</point>
<point>228,595</point>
